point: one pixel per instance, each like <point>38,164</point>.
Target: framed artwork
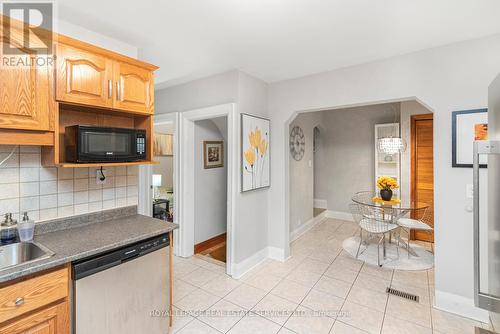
<point>162,144</point>
<point>255,160</point>
<point>467,127</point>
<point>213,154</point>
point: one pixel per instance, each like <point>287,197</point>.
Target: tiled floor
<point>320,289</point>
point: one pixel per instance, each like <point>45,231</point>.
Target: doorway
<point>422,168</point>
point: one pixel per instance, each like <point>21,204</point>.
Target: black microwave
<point>100,144</point>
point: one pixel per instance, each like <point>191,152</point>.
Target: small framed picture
<point>213,154</point>
<point>467,127</point>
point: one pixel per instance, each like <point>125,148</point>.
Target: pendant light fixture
<point>392,144</point>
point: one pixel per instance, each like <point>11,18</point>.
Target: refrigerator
<point>487,209</point>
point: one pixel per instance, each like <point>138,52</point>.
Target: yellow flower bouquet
<point>386,184</point>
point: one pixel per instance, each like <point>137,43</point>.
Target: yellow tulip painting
<point>255,152</point>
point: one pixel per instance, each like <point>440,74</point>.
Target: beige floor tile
<point>200,277</point>
<point>182,268</point>
<point>263,281</point>
<point>198,327</point>
<point>415,278</point>
<point>307,321</point>
<point>291,291</point>
<point>223,315</point>
<point>253,324</point>
<point>333,286</point>
<point>275,308</point>
<point>372,283</point>
<point>324,254</point>
<point>369,298</point>
<point>377,272</point>
<point>278,268</point>
<point>397,326</point>
<point>245,296</point>
<point>221,286</point>
<point>447,323</point>
<point>181,289</point>
<point>400,308</point>
<point>179,319</point>
<point>344,262</point>
<point>284,330</point>
<point>313,266</point>
<point>305,278</point>
<point>324,302</point>
<point>345,275</point>
<point>362,317</point>
<point>341,328</point>
<point>197,301</point>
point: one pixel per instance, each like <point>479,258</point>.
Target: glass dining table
<point>391,210</point>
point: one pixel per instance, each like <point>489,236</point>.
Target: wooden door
<point>134,88</point>
<point>26,86</point>
<point>83,77</point>
<point>422,167</point>
<point>51,320</point>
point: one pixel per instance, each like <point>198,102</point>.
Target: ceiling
<point>279,39</point>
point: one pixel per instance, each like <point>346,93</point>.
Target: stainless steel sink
<point>21,253</point>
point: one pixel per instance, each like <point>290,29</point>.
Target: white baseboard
<point>239,269</point>
<point>460,305</point>
<point>339,215</point>
<point>320,203</point>
<point>295,234</point>
<point>276,253</point>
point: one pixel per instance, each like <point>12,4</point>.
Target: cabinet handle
<point>118,93</point>
<point>19,301</point>
<point>110,89</point>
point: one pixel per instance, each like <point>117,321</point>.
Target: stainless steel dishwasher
<point>123,291</point>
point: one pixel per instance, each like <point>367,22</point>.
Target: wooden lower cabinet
<point>39,304</point>
<point>50,320</point>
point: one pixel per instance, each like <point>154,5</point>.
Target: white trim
<point>239,269</point>
<point>461,306</point>
<point>276,253</point>
<point>145,172</point>
<point>320,203</point>
<point>186,187</point>
<point>298,232</point>
<point>339,215</point>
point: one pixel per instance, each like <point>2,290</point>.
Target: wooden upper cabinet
<point>83,77</point>
<point>26,86</point>
<point>134,88</point>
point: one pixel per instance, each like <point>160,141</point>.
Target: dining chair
<point>421,220</point>
<point>376,221</point>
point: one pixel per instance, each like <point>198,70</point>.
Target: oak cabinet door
<point>51,320</point>
<point>26,90</point>
<point>83,77</point>
<point>134,88</point>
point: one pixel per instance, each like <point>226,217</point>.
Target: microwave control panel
<point>141,144</point>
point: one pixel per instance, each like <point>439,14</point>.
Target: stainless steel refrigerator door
<point>487,229</point>
<point>122,299</point>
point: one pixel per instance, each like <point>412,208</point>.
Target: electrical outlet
<point>99,176</point>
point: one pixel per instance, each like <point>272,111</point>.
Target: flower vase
<point>386,194</point>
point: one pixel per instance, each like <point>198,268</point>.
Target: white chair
<point>375,221</point>
<point>421,221</point>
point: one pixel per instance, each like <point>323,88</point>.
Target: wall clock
<point>297,143</point>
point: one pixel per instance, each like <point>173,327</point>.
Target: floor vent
<point>402,294</point>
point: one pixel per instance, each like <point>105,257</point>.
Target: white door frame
<point>146,171</point>
<point>186,188</point>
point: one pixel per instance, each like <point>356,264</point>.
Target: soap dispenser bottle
<point>8,229</point>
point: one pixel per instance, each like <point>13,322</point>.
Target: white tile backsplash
<point>50,192</point>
